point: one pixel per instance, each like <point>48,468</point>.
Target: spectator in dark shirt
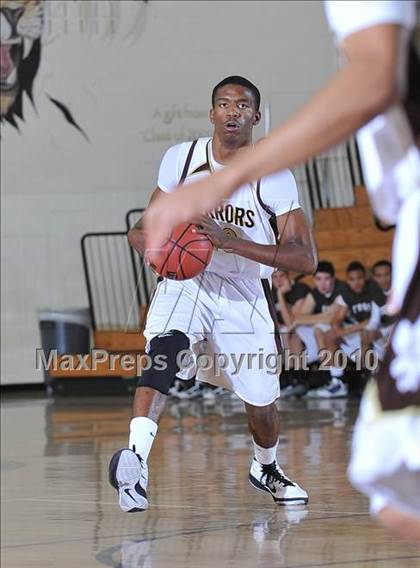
<point>318,309</point>
<point>291,291</point>
<point>357,318</point>
<point>288,296</point>
<point>382,275</point>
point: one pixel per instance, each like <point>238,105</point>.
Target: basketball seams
<point>165,262</point>
<point>176,257</point>
<point>175,243</point>
<point>183,256</point>
<point>183,247</point>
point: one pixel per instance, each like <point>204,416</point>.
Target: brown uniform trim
<point>389,395</point>
<point>203,168</point>
<point>272,310</point>
<point>272,216</point>
<point>188,162</point>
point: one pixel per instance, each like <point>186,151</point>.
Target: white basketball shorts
<point>231,332</point>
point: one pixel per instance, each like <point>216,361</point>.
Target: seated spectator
<point>382,274</point>
<point>288,296</point>
<point>318,308</point>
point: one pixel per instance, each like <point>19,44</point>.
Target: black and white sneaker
<point>271,478</point>
<point>128,474</point>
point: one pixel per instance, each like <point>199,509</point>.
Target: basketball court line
<point>350,562</point>
<point>261,509</point>
<point>184,532</point>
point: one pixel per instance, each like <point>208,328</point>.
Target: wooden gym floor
<point>59,510</point>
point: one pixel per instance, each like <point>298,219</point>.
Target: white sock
<point>336,372</point>
<point>142,435</point>
<point>265,455</point>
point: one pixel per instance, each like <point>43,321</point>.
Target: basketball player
<point>369,92</point>
<point>225,309</point>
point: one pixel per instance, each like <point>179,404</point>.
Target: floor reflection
<point>57,501</point>
<point>268,530</point>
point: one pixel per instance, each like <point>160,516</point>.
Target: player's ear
<point>211,115</point>
<point>257,117</point>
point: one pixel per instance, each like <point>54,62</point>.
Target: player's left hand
<point>206,226</point>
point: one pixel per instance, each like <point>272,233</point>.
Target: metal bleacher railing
<point>145,278</point>
<point>329,179</point>
<point>118,282</point>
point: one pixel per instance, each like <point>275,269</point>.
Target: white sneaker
<point>128,474</point>
<point>193,392</point>
<point>177,391</point>
<point>271,478</point>
<point>335,389</point>
<point>293,391</point>
<point>213,393</point>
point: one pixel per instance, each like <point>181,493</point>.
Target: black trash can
<point>66,331</point>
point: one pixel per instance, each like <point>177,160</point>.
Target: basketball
<point>184,255</point>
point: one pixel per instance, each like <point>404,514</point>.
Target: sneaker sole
<point>257,485</point>
<point>124,466</point>
<point>326,397</point>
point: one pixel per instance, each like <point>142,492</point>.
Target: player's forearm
<point>293,257</point>
<point>311,319</point>
<point>354,96</point>
<point>348,330</point>
<point>136,238</point>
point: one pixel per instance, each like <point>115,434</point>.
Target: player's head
<point>235,110</point>
<point>356,276</point>
<point>281,280</point>
<point>382,274</point>
<point>324,277</point>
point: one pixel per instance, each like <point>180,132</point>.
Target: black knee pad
<point>163,353</point>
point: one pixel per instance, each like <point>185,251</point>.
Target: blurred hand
<point>186,203</point>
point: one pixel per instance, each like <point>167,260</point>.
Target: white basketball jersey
<point>390,159</point>
<point>244,215</point>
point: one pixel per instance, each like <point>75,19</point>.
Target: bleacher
<point>344,234</point>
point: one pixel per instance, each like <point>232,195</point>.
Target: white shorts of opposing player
<point>231,333</point>
<point>385,462</point>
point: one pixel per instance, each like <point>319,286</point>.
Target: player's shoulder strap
<point>188,161</point>
<point>272,216</point>
<point>205,167</point>
<point>266,207</point>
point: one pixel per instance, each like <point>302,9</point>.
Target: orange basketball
<point>184,255</point>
